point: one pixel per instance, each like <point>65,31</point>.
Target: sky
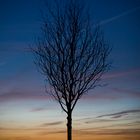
<point>105,113</point>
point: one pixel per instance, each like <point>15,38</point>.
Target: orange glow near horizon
<point>43,135</point>
<point>22,123</point>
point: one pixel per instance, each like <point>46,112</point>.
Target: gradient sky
<point>109,112</point>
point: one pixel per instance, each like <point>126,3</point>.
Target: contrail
<point>119,16</point>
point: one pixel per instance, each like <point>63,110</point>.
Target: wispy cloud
<point>117,116</point>
<point>119,16</point>
<point>113,93</point>
<point>95,120</point>
<point>52,123</point>
<point>120,114</point>
<point>37,109</point>
<point>121,73</point>
<point>127,91</point>
<point>112,122</point>
<point>109,132</point>
<point>22,95</point>
<point>101,96</point>
<point>52,132</point>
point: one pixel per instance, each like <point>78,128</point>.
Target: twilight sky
<point>109,112</point>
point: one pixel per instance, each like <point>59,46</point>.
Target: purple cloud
<point>121,73</point>
<point>37,109</point>
<point>128,92</point>
<point>120,114</point>
<point>22,95</point>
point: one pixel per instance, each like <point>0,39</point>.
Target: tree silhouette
<point>72,55</point>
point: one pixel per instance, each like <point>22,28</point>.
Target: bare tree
<point>72,55</point>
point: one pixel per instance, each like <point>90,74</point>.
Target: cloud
<point>89,120</point>
<point>121,73</point>
<point>109,132</point>
<point>109,123</point>
<point>90,131</point>
<point>120,114</point>
<point>52,124</point>
<point>119,16</point>
<point>117,116</point>
<point>52,132</point>
<point>128,92</point>
<point>95,120</point>
<point>20,129</point>
<point>15,94</point>
<point>101,96</point>
<point>37,109</point>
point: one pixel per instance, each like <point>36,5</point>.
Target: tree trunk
<point>69,126</point>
